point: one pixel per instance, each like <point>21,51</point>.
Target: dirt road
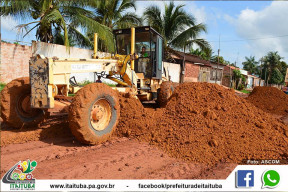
<point>60,156</point>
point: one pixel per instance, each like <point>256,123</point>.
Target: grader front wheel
<point>15,104</point>
<point>94,113</point>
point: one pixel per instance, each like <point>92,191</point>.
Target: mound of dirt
<point>205,123</point>
<point>269,99</point>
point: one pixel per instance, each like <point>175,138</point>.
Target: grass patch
<point>83,83</point>
<point>245,91</point>
<point>2,85</point>
<point>110,85</point>
<point>88,82</point>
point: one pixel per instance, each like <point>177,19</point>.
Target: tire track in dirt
<point>120,158</point>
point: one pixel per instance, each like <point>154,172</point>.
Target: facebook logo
<point>245,178</point>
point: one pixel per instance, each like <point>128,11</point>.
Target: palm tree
<point>178,28</point>
<point>54,17</point>
<point>214,59</point>
<point>271,65</point>
<point>114,14</point>
<point>250,65</point>
<point>202,54</point>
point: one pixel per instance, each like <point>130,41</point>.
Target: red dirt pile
<point>205,123</point>
<point>270,100</point>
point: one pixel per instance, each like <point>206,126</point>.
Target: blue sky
<point>232,20</point>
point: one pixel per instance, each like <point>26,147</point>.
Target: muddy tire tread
<point>8,101</point>
<point>79,112</point>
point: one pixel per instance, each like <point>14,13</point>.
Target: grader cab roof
<point>137,30</point>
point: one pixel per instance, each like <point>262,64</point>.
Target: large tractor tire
<point>164,93</point>
<point>15,105</point>
<point>94,113</point>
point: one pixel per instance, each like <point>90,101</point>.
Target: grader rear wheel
<point>15,104</point>
<point>164,93</point>
<point>94,113</point>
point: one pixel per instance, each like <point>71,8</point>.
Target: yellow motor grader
<point>137,68</point>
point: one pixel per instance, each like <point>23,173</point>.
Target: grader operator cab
<point>137,68</point>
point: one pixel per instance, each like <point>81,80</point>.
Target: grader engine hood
<point>50,76</point>
<point>39,81</point>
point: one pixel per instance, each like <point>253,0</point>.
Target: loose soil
<point>203,133</point>
<point>206,123</point>
<point>270,100</point>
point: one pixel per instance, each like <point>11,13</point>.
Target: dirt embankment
<point>270,100</point>
<point>202,123</point>
<point>206,123</point>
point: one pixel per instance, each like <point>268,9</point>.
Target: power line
<point>252,39</point>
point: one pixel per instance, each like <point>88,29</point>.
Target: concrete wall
<point>173,71</point>
<point>60,51</point>
<point>14,61</point>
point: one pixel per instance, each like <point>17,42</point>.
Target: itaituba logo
<point>20,176</point>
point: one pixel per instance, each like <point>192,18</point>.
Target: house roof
<point>193,58</point>
<point>189,57</point>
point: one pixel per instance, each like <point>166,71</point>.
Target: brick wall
<point>227,74</point>
<point>191,72</point>
<point>14,61</point>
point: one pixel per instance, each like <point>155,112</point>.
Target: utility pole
<point>260,72</point>
<point>218,61</point>
<point>230,82</point>
<point>265,77</point>
<point>183,67</point>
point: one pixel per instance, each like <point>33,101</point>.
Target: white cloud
<point>268,22</point>
<point>8,23</point>
<point>190,7</point>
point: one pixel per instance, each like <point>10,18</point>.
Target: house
<point>196,69</point>
<point>227,75</point>
<point>216,74</point>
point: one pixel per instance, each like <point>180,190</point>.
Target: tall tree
<point>113,14</point>
<point>55,17</point>
<point>207,54</point>
<point>214,59</point>
<point>271,63</point>
<point>250,65</point>
<point>178,28</point>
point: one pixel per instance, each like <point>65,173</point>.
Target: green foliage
<point>178,27</point>
<point>214,59</point>
<point>2,85</point>
<point>276,77</point>
<point>237,77</point>
<point>250,65</point>
<point>245,91</point>
<point>273,68</point>
<point>86,82</point>
<point>236,74</point>
<point>114,14</point>
<point>241,86</point>
<point>243,79</point>
<point>62,17</point>
<point>204,54</point>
